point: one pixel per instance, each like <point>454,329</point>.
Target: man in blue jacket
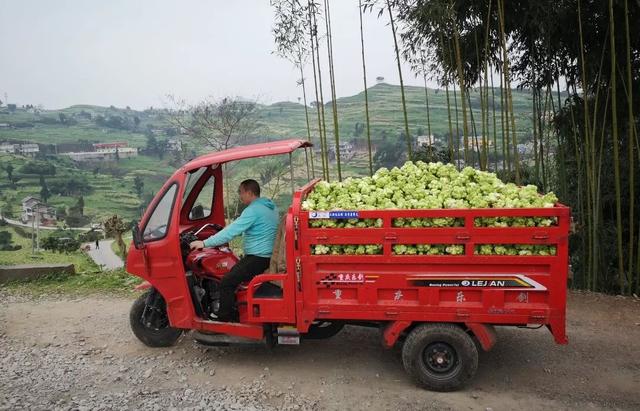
<point>258,225</point>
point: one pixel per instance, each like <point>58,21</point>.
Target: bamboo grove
<point>579,61</point>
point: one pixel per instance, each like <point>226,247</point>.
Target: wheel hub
<point>439,357</point>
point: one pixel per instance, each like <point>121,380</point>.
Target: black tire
<point>320,330</point>
<point>440,357</point>
<point>165,336</point>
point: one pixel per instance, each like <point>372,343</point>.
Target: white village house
<point>32,206</point>
<point>105,152</point>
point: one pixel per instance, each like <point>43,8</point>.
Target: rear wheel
<point>150,323</point>
<point>440,357</point>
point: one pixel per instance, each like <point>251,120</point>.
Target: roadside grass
<point>87,280</point>
<point>25,255</point>
<point>83,283</point>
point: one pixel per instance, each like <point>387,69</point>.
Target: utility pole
<point>33,243</point>
<point>38,229</point>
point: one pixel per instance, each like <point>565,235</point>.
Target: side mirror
<point>138,243</point>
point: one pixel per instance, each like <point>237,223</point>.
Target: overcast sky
<point>123,52</point>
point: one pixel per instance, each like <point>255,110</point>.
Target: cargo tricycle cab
<point>183,284</point>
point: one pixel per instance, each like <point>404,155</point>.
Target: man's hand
<point>196,245</point>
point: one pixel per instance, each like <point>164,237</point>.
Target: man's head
<point>248,191</point>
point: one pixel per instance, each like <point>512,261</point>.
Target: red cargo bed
<point>467,288</point>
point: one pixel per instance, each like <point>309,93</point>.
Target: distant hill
<point>112,184</point>
<point>278,120</point>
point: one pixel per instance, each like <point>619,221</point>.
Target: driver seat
<point>278,264</point>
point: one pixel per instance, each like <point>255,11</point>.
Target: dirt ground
<point>78,353</point>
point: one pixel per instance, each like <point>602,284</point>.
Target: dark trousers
<point>247,268</point>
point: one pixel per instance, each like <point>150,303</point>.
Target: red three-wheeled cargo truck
<point>441,308</point>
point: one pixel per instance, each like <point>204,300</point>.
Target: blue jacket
<point>258,223</point>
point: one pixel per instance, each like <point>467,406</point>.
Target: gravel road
<point>62,352</point>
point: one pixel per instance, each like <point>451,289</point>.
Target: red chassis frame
<point>540,297</point>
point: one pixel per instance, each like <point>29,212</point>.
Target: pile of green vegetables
<point>422,185</point>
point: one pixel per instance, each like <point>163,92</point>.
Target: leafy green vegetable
<point>422,185</point>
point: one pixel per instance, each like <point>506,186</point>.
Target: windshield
<point>158,224</point>
<point>192,179</point>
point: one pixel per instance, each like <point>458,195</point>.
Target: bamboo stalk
<point>324,122</point>
<point>306,115</point>
<point>480,153</point>
<point>446,87</point>
<point>562,169</point>
<point>510,113</point>
<point>461,85</point>
<point>616,155</point>
<point>426,99</point>
<point>536,159</point>
<point>495,130</point>
<point>506,163</point>
<point>366,93</point>
<point>404,103</point>
<point>312,31</point>
<point>485,140</point>
<point>630,142</point>
<point>589,141</point>
<point>474,142</point>
<point>332,80</point>
<point>596,197</point>
<point>457,142</point>
<point>581,204</point>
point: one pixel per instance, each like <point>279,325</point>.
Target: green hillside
<point>112,184</point>
<point>280,120</point>
<point>385,111</point>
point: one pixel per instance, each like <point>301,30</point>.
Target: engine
<point>205,268</point>
<point>211,262</point>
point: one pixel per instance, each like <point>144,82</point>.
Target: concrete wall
<point>33,271</point>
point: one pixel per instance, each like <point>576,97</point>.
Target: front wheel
<point>440,357</point>
<point>150,323</point>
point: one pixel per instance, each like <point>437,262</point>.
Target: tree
<point>61,212</point>
<point>585,44</point>
<point>162,148</point>
<point>115,227</point>
<point>138,185</point>
<point>289,31</point>
<point>70,186</point>
<point>80,205</point>
<point>5,242</point>
<point>220,124</point>
<point>61,241</point>
<point>389,154</point>
<point>43,168</point>
<point>9,169</point>
<point>152,143</point>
